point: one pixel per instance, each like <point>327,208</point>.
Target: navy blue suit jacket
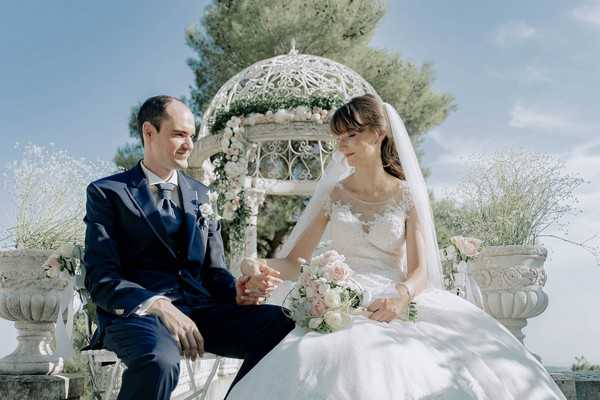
<point>127,255</point>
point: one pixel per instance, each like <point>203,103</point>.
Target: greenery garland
<point>263,104</point>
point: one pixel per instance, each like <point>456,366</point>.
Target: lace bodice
<point>371,235</point>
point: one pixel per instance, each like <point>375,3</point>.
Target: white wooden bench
<point>194,379</point>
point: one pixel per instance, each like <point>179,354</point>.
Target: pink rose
<point>307,279</point>
<point>467,246</point>
<point>329,257</point>
<point>339,271</point>
<point>317,309</point>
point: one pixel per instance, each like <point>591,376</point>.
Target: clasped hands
<point>257,282</point>
<point>250,290</point>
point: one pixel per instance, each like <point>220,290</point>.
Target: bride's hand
<point>262,278</point>
<point>388,309</point>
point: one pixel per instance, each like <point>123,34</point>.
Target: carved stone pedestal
<point>32,299</point>
<point>41,387</point>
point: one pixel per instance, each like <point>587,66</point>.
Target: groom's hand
<point>183,329</point>
<point>244,298</point>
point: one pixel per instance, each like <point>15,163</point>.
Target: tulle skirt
<point>454,351</point>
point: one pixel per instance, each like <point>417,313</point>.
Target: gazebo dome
<point>290,75</point>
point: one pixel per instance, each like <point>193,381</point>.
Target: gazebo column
<point>254,198</point>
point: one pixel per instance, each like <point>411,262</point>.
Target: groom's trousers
<point>152,357</point>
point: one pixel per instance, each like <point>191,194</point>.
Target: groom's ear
<point>148,130</point>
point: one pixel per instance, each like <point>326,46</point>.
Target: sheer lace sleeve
<point>404,200</point>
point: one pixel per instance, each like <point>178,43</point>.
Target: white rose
<point>229,211</point>
<point>332,298</point>
<point>206,210</point>
<point>310,292</point>
<point>281,117</point>
<point>450,253</point>
<point>314,323</point>
<point>336,320</point>
<point>301,113</point>
<point>227,133</point>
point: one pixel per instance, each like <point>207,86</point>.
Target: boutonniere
<point>207,211</point>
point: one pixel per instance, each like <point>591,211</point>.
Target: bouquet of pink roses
<point>325,295</point>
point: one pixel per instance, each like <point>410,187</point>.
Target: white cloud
<point>588,12</point>
<point>528,75</point>
<point>536,74</point>
<point>514,31</point>
<point>529,117</point>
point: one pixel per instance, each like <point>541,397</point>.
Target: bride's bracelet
<point>409,291</point>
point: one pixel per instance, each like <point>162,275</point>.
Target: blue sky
<point>524,74</point>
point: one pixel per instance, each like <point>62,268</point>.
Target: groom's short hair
<point>153,111</point>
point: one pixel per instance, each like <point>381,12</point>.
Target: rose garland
<point>454,258</point>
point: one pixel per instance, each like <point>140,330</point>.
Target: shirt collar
<point>153,179</point>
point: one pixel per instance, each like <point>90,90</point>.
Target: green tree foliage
<point>274,222</point>
<point>129,154</point>
<point>235,34</point>
<point>449,219</point>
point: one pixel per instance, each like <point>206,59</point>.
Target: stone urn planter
<point>31,299</point>
<point>511,279</point>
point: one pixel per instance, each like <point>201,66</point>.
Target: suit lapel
<point>139,192</point>
<point>195,234</point>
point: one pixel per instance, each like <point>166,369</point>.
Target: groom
<point>156,269</point>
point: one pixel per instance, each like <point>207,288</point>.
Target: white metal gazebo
<point>290,147</point>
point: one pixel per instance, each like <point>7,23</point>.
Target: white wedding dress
<point>454,351</point>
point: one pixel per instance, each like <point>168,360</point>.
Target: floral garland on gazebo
<point>231,163</point>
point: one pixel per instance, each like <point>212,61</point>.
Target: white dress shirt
<point>154,179</point>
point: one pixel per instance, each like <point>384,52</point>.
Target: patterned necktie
<point>167,209</point>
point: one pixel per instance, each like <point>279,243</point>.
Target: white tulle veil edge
<point>338,169</point>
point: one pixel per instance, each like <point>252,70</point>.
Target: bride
<point>373,205</point>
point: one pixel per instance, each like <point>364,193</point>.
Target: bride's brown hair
<point>368,113</point>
